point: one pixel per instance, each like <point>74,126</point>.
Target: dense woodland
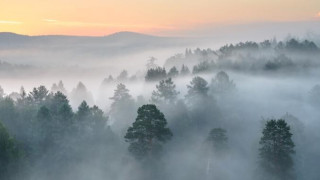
<point>200,134</point>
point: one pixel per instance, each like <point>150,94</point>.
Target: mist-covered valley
<point>131,107</point>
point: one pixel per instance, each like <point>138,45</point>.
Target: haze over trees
<point>121,102</point>
<point>196,117</point>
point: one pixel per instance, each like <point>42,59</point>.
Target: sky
<point>158,17</point>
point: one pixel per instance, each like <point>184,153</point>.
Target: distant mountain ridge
<point>120,34</point>
<point>44,49</point>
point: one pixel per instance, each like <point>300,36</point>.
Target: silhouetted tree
<point>203,67</point>
<point>9,153</point>
<point>173,72</point>
<point>156,74</point>
<point>276,150</point>
<point>148,132</point>
<point>221,84</point>
<point>122,102</point>
<point>46,129</point>
<point>39,95</point>
<point>166,92</point>
<point>83,111</point>
<point>184,70</point>
<point>201,105</point>
<point>198,88</point>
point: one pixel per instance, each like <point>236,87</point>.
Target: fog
<point>235,87</point>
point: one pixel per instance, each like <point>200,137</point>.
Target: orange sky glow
<point>159,17</point>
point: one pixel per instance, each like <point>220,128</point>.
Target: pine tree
<point>184,70</point>
<point>221,84</point>
<point>156,74</point>
<point>276,150</point>
<point>165,92</point>
<point>122,102</point>
<point>198,88</point>
<point>148,132</point>
<point>123,76</point>
<point>9,152</point>
<point>39,95</point>
<point>173,72</point>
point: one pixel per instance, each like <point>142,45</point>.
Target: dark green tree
<point>7,109</point>
<point>156,74</point>
<point>98,120</point>
<point>148,132</point>
<point>83,112</point>
<point>276,150</point>
<point>46,129</point>
<point>39,95</point>
<point>61,111</point>
<point>166,92</point>
<point>9,153</point>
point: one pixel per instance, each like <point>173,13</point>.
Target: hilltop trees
<point>276,150</point>
<point>148,132</point>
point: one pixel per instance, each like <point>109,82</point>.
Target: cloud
<point>10,22</point>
